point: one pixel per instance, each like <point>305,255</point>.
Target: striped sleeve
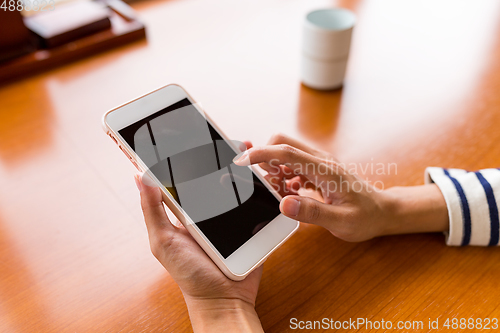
<point>472,199</point>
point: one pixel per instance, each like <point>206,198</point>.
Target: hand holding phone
<point>231,211</point>
<point>208,293</point>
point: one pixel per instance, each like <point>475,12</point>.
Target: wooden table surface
<point>422,89</point>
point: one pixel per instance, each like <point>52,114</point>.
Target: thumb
<point>152,205</point>
<point>307,210</point>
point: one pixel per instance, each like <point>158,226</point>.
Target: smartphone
<point>230,210</point>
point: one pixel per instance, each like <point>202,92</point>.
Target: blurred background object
<point>15,37</point>
<point>326,40</point>
<point>69,22</point>
<point>64,32</point>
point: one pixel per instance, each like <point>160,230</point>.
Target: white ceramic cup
<point>325,47</point>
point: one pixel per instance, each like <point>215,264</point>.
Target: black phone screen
<point>228,203</point>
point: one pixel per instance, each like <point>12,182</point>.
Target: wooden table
<point>422,89</point>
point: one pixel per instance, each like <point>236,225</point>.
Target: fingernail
<point>146,180</point>
<point>242,159</point>
<point>138,182</point>
<point>291,207</point>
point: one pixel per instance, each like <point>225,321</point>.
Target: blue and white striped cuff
<point>472,199</point>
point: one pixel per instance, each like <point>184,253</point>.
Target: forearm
<point>415,209</point>
<point>227,315</point>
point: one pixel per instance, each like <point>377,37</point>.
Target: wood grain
<point>421,89</point>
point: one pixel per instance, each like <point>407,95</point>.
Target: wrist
<point>222,314</point>
<point>415,209</point>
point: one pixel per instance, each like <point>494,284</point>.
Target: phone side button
<point>136,166</point>
<point>113,138</point>
<point>130,158</point>
<point>126,154</point>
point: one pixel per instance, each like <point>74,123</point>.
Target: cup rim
<point>342,11</point>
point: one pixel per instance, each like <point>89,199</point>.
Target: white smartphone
<point>231,211</point>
